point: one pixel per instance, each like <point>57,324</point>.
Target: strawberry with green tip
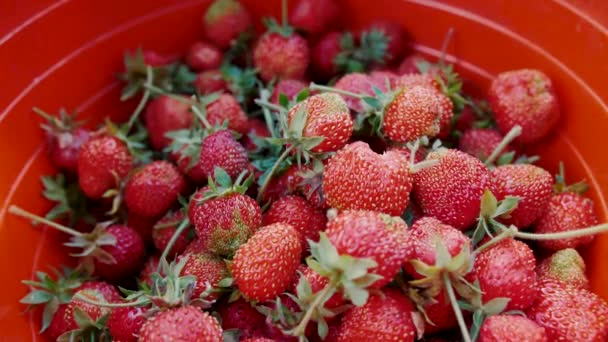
<point>186,323</point>
<point>511,328</point>
<point>224,21</point>
<point>208,271</point>
<point>565,266</point>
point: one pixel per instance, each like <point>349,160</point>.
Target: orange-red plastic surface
<point>56,53</point>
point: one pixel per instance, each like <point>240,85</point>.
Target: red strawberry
<point>419,156</point>
<point>150,266</point>
<point>100,161</point>
<point>265,265</point>
<point>154,189</point>
<point>480,142</point>
<point>289,87</point>
<point>317,283</point>
<point>570,314</point>
<point>165,114</point>
<point>566,211</point>
<point>258,128</point>
<point>409,65</point>
<point>107,290</point>
<point>358,178</point>
<point>143,225</point>
<point>314,16</point>
<point>524,97</point>
<point>532,184</point>
<point>565,266</point>
<point>186,323</point>
<point>440,314</point>
<point>507,269</point>
<point>154,59</point>
<point>204,56</point>
<point>278,56</point>
<point>324,55</point>
<point>383,78</point>
<point>125,323</point>
<point>465,120</point>
<point>369,234</point>
<point>224,21</point>
<point>511,328</point>
<point>128,254</point>
<point>163,232</point>
<point>210,81</point>
<point>258,339</point>
<point>300,214</point>
<point>227,108</point>
<point>386,317</point>
<point>241,315</point>
<point>58,325</point>
<point>94,312</point>
<point>451,190</point>
<point>356,83</point>
<point>208,270</point>
<point>326,116</point>
<point>395,35</point>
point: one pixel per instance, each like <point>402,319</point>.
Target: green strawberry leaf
<point>36,297</point>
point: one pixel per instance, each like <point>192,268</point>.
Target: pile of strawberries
<point>241,201</point>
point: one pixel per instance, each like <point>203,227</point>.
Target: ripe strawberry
<point>440,314</point>
<point>326,116</point>
<point>451,190</point>
<point>58,325</point>
<point>186,323</point>
<point>300,214</point>
<point>369,234</point>
<point>224,21</point>
<point>163,232</point>
<point>314,16</point>
<point>155,59</point>
<point>210,81</point>
<point>125,323</point>
<point>258,339</point>
<point>241,315</point>
<point>264,266</point>
<point>107,290</point>
<point>100,161</point>
<point>507,269</point>
<point>356,83</point>
<point>566,211</point>
<point>409,65</point>
<point>289,87</point>
<point>208,270</point>
<point>226,107</point>
<point>256,127</point>
<point>154,189</point>
<point>204,56</point>
<point>283,184</point>
<point>143,225</point>
<point>385,317</point>
<point>565,266</point>
<point>480,142</point>
<point>281,56</point>
<point>524,97</point>
<point>511,328</point>
<point>532,184</point>
<point>94,312</point>
<point>150,266</point>
<point>317,283</point>
<point>569,314</point>
<point>383,78</point>
<point>324,54</point>
<point>128,254</point>
<point>395,37</point>
<point>358,178</point>
<point>165,114</point>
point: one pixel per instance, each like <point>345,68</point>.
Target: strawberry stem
<point>513,133</point>
<point>87,300</point>
<point>144,100</point>
<point>319,300</point>
<point>269,105</point>
<point>444,46</point>
<point>461,324</point>
<point>423,165</point>
<point>314,86</point>
<point>15,210</point>
<point>197,112</point>
<point>180,229</point>
<point>272,171</point>
<point>564,235</point>
<point>505,234</point>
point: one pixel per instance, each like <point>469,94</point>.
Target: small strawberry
<point>208,271</point>
<point>210,81</point>
<point>203,56</point>
<point>385,317</point>
<point>163,232</point>
<point>531,184</point>
<point>224,21</point>
<point>125,323</point>
<point>279,56</point>
<point>241,315</point>
<point>265,265</point>
<point>480,142</point>
<point>511,328</point>
<point>526,98</point>
<point>155,59</point>
<point>153,189</point>
<point>150,267</point>
<point>186,323</point>
<point>358,178</point>
<point>165,114</point>
<point>413,113</point>
<point>314,16</point>
<point>289,87</point>
<point>451,190</point>
<point>395,37</point>
<point>565,266</point>
<point>102,163</point>
<point>356,83</point>
<point>227,108</point>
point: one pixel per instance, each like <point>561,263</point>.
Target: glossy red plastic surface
<point>56,53</point>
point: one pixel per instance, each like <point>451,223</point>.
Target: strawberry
<point>569,314</point>
<point>564,212</point>
<point>208,270</point>
<point>143,225</point>
<point>163,232</point>
<point>358,178</point>
<point>107,290</point>
<point>300,214</point>
<point>227,108</point>
<point>324,54</point>
<point>480,142</point>
<point>419,154</point>
<point>224,21</point>
<point>258,339</point>
<point>409,65</point>
<point>385,317</point>
<point>395,37</point>
<point>369,234</point>
<point>289,87</point>
<point>507,270</point>
<point>384,80</point>
<point>57,324</point>
<point>186,323</point>
<point>413,113</point>
<point>264,266</point>
<point>356,83</point>
<point>532,184</point>
<point>210,81</point>
<point>125,323</point>
<point>451,190</point>
<point>565,266</point>
<point>155,59</point>
<point>314,16</point>
<point>165,114</point>
<point>80,317</point>
<point>153,189</point>
<point>440,315</point>
<point>281,56</point>
<point>283,184</point>
<point>526,98</point>
<point>128,254</point>
<point>511,328</point>
<point>149,267</point>
<point>100,162</point>
<point>241,315</point>
<point>203,56</point>
<point>317,283</point>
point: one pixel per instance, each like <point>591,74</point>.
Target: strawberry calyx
<point>280,315</point>
<point>71,203</point>
<point>490,211</point>
<point>64,123</point>
<point>242,82</point>
<point>134,138</point>
<point>356,56</point>
<point>89,328</point>
<point>221,184</point>
<point>561,186</point>
<point>481,311</point>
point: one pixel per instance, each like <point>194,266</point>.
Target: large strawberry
<point>565,266</point>
<point>224,21</point>
<point>526,98</point>
<point>451,190</point>
<point>227,108</point>
<point>241,315</point>
<point>358,178</point>
<point>265,265</point>
<point>314,16</point>
<point>186,323</point>
<point>203,56</point>
<point>124,324</point>
<point>511,328</point>
<point>208,271</point>
<point>153,189</point>
<point>165,114</point>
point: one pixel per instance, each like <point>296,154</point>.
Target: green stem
<point>461,324</point>
<point>272,172</point>
<point>42,113</point>
<point>154,89</point>
<point>300,330</point>
<point>80,297</point>
<point>423,165</point>
<point>15,210</point>
<point>513,133</point>
<point>564,235</point>
<point>144,100</point>
<point>505,234</point>
<point>201,116</point>
<point>314,86</point>
<point>185,223</point>
<point>264,103</point>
